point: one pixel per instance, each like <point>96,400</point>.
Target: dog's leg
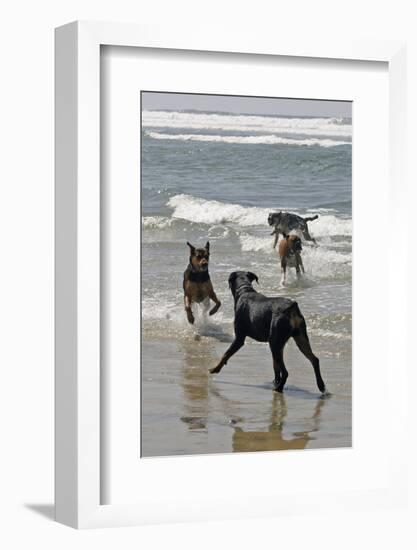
<point>280,333</point>
<point>301,263</point>
<point>277,372</point>
<point>283,271</point>
<point>297,265</point>
<point>276,232</point>
<point>234,347</point>
<point>217,302</point>
<point>301,339</point>
<point>280,371</point>
<point>308,237</point>
<point>188,310</point>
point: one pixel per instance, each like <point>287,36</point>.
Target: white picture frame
<point>77,245</point>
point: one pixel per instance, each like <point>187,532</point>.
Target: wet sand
<point>188,411</point>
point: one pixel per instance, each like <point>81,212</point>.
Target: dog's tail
<point>311,219</point>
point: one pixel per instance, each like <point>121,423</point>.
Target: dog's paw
<point>277,387</point>
<point>190,317</point>
<point>214,310</point>
<point>214,370</point>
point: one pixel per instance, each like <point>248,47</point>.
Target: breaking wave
<point>330,126</point>
<point>320,262</point>
<point>156,222</point>
<point>213,212</point>
<point>250,140</point>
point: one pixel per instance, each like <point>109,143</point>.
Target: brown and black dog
<point>289,251</point>
<point>197,284</point>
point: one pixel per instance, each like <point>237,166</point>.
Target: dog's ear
<point>192,248</point>
<point>252,276</point>
<point>232,277</point>
<point>208,246</point>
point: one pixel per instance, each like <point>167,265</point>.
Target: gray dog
<point>285,222</point>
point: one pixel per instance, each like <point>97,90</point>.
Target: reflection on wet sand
<point>194,382</point>
<point>272,438</point>
<point>205,405</point>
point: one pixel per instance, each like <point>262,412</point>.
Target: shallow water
<point>211,188</point>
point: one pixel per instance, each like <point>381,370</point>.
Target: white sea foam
<point>161,307</point>
<point>319,254</point>
<point>246,123</point>
<point>213,212</point>
<point>199,210</point>
<point>319,262</point>
<point>330,225</point>
<point>250,243</point>
<point>156,222</point>
<point>158,307</point>
<point>249,140</point>
<point>331,334</point>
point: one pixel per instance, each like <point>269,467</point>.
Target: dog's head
<point>199,257</point>
<point>294,243</point>
<point>274,218</point>
<point>241,279</point>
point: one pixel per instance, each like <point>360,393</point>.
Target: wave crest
<point>156,222</point>
<point>213,212</point>
<point>249,140</point>
<point>328,126</point>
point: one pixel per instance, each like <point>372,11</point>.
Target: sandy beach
<point>236,410</point>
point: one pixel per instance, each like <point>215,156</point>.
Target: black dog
<point>272,320</point>
<point>285,222</point>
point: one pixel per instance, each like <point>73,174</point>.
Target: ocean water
<point>215,177</point>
